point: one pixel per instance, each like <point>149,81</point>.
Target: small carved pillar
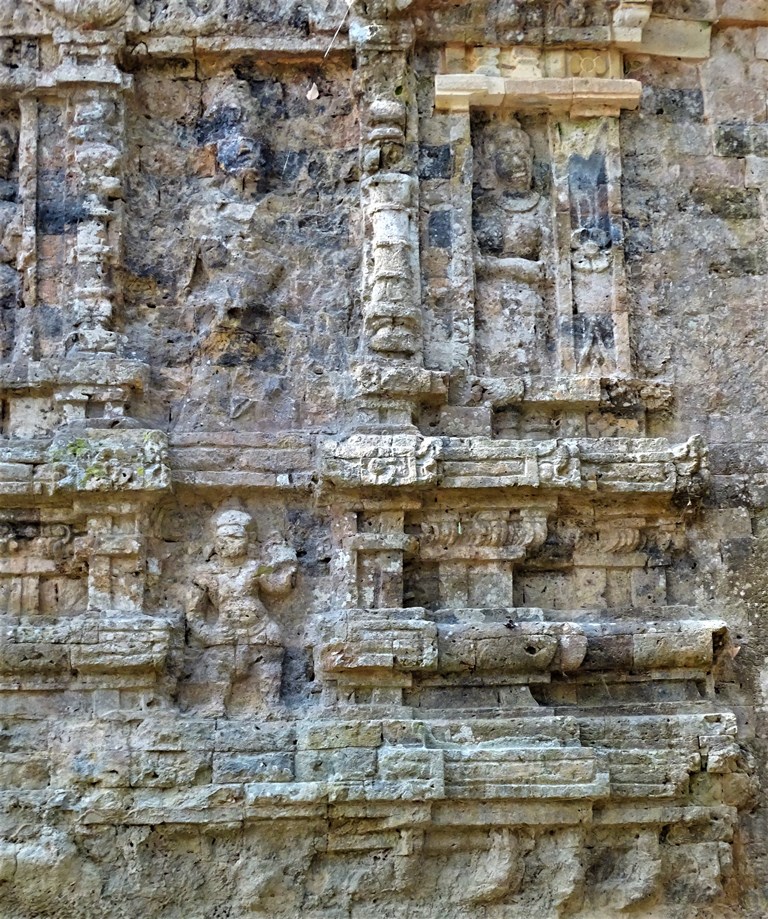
<point>392,320</point>
<point>391,296</point>
<point>453,293</point>
<point>369,546</point>
<point>93,88</point>
<point>27,255</point>
<point>115,551</point>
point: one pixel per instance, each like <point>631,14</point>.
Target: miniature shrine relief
<point>383,477</point>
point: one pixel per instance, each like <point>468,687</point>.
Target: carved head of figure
<point>231,539</point>
<point>508,158</point>
<point>513,161</point>
<point>278,568</point>
<point>7,151</point>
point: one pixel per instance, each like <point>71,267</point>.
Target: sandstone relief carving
<point>382,507</point>
<point>235,646</point>
<point>510,223</point>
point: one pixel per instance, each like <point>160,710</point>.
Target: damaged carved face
<point>513,161</point>
<point>231,543</point>
<point>243,156</point>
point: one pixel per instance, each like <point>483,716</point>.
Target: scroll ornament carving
<point>489,529</point>
<point>135,460</point>
<point>90,13</point>
<point>398,460</point>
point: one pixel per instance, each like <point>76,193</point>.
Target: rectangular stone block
<point>24,770</point>
<point>250,737</point>
<point>163,732</point>
<point>342,766</point>
<point>338,735</point>
<point>169,769</point>
<point>409,763</point>
<point>254,767</point>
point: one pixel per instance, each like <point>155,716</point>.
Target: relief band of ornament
<point>604,464</point>
<point>90,13</point>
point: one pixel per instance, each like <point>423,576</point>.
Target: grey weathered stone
<point>383,460</point>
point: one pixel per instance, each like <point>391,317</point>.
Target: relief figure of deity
<point>509,220</point>
<point>236,646</point>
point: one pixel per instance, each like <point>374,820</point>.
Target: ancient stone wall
<point>383,459</point>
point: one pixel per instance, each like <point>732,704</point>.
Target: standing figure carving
<point>509,222</point>
<point>236,651</point>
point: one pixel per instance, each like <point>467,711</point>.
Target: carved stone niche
<point>392,551</point>
<point>513,246</point>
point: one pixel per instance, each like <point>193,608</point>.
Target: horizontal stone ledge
<point>36,376</point>
<point>578,96</point>
<point>625,465</point>
<point>682,38</point>
<point>243,479</point>
<point>81,647</point>
<point>149,808</point>
<point>358,643</point>
<point>252,440</point>
<point>531,788</point>
<point>282,461</point>
<point>511,813</point>
<point>149,44</point>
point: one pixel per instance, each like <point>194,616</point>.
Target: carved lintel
<point>397,460</point>
<point>580,97</point>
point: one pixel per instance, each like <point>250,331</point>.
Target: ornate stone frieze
<point>382,460</point>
